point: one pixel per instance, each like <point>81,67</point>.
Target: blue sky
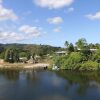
<point>49,22</point>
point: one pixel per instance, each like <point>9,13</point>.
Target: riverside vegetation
<point>82,56</point>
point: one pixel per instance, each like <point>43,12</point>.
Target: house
<point>93,50</point>
<point>61,53</point>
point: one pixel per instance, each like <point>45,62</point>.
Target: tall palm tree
<point>66,43</point>
<point>81,43</point>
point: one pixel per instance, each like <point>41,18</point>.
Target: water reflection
<point>48,85</point>
<point>10,74</point>
<point>30,75</point>
<point>15,75</point>
<point>82,80</point>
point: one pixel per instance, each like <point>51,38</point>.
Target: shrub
<point>73,61</point>
<point>89,65</point>
<point>69,62</point>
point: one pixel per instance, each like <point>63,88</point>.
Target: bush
<point>89,65</point>
<point>73,61</point>
<point>96,56</point>
<point>69,62</point>
<point>60,61</point>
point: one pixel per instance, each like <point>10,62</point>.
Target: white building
<point>61,53</point>
<point>93,50</point>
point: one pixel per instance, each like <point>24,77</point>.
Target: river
<point>49,85</point>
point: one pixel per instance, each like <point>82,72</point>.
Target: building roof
<point>61,52</point>
<point>89,49</point>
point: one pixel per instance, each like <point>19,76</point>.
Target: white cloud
<point>30,31</point>
<point>7,14</point>
<point>10,36</point>
<point>53,4</point>
<point>93,17</point>
<point>58,29</point>
<point>55,20</point>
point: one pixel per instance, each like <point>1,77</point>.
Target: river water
<point>49,85</point>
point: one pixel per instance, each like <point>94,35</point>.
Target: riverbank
<point>23,66</point>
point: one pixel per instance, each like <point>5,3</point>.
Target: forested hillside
<point>25,50</point>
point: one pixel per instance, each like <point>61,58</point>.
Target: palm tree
<point>81,43</point>
<point>70,48</point>
<point>66,43</point>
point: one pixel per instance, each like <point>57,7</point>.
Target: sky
<point>50,22</point>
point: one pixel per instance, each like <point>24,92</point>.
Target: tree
<point>16,57</point>
<point>7,55</point>
<point>81,43</point>
<point>92,46</point>
<point>96,56</point>
<point>70,48</point>
<point>11,55</point>
<point>72,61</point>
<point>22,54</point>
<point>11,59</point>
<point>66,43</point>
<point>86,53</point>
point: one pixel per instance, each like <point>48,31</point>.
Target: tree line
<point>13,52</point>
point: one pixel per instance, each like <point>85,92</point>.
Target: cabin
<point>93,50</point>
<point>61,53</point>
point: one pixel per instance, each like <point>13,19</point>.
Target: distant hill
<point>30,48</point>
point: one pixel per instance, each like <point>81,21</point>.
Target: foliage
<point>69,62</point>
<point>11,55</point>
<point>96,56</point>
<point>7,55</point>
<point>80,57</point>
<point>69,46</point>
<point>66,43</point>
<point>81,43</point>
<point>75,62</point>
<point>60,61</point>
<point>23,54</point>
<point>89,65</point>
<point>25,50</point>
<point>86,54</point>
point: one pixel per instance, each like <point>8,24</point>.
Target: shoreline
<point>24,66</point>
